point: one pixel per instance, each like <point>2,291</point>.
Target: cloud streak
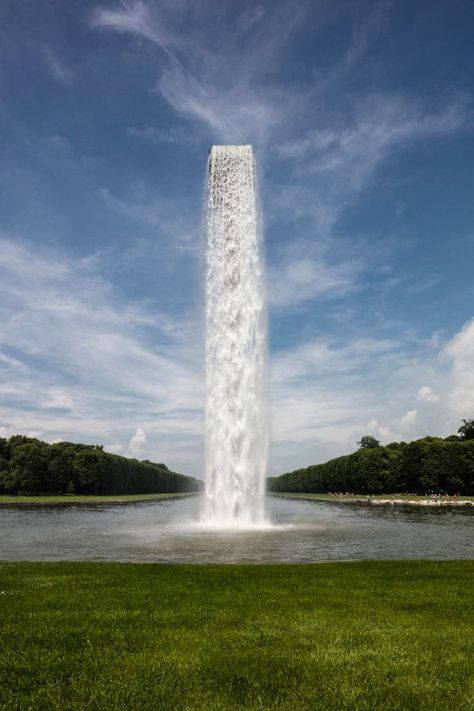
<point>220,88</point>
<point>326,395</point>
<point>57,68</point>
<point>79,362</point>
<point>337,120</point>
<point>342,161</point>
<point>329,169</point>
<point>136,443</point>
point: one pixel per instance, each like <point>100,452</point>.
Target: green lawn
<point>42,500</point>
<point>365,635</point>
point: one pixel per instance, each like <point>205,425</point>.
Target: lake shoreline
<point>115,500</point>
<point>432,502</point>
<point>71,500</point>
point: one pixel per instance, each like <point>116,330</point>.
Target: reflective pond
<point>300,531</point>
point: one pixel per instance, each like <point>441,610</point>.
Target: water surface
<point>168,531</point>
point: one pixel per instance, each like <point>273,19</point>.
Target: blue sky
<point>362,119</point>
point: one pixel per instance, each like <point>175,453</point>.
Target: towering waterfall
<point>236,343</point>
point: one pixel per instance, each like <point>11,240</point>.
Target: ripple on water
<point>297,531</point>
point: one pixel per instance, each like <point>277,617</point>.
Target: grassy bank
<point>369,635</point>
<point>75,499</point>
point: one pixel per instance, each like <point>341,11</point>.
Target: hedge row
<point>428,465</point>
<point>29,466</point>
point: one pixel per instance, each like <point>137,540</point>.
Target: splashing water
<point>236,344</point>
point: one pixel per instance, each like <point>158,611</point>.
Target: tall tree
<point>368,442</point>
<point>467,429</point>
<point>29,467</point>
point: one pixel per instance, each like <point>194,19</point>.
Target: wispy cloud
<point>329,169</point>
<point>379,124</point>
<point>341,161</point>
<point>408,421</point>
<point>139,210</point>
<point>79,362</point>
<point>426,394</point>
<point>306,279</point>
<point>82,358</point>
<point>233,88</point>
<point>217,85</point>
<point>176,228</point>
<point>174,134</point>
<point>460,352</point>
<point>137,442</point>
<point>367,27</point>
<point>57,68</point>
<point>327,394</point>
<point>140,19</point>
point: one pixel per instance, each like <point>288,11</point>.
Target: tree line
<point>30,466</point>
<point>426,466</point>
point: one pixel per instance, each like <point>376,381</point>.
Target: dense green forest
<point>425,466</point>
<point>29,466</point>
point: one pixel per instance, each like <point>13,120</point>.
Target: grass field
<point>366,635</point>
<point>85,499</point>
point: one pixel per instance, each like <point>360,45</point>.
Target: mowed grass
<point>74,499</point>
<point>365,635</point>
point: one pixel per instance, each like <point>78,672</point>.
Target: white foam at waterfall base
<point>236,344</point>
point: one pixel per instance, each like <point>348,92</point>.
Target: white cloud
<point>409,421</point>
<point>426,394</point>
<point>235,91</point>
<point>175,225</point>
<point>137,18</point>
<point>173,134</point>
<point>380,431</point>
<point>116,448</point>
<point>57,69</point>
<point>147,212</point>
<point>137,442</point>
<point>217,87</point>
<point>379,124</point>
<point>326,395</point>
<point>460,351</point>
<point>168,232</point>
<point>341,160</point>
<point>233,116</point>
<point>80,363</point>
<point>302,279</point>
<point>329,168</point>
<point>322,358</point>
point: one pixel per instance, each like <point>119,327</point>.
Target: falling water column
<point>236,343</point>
